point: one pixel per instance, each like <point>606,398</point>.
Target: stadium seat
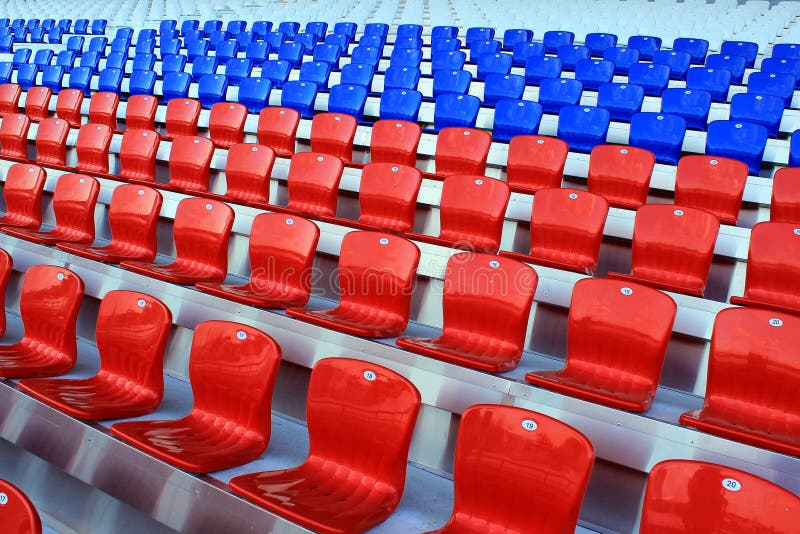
<point>570,55</point>
<point>535,162</point>
<point>462,151</point>
<point>142,61</point>
<point>141,112</point>
<point>745,49</point>
<point>522,51</point>
<point>593,73</point>
<point>647,45</point>
<point>212,89</point>
<point>455,110</point>
<point>110,80</point>
<point>616,342</point>
<point>21,56</point>
<point>211,26</point>
<point>14,136</point>
<point>142,82</point>
<point>99,26</point>
<point>357,74</point>
<point>477,49</point>
<point>515,117</point>
<point>502,87</point>
<point>189,164</point>
<point>341,40</point>
<point>333,134</point>
<point>557,93</point>
<point>137,155</point>
<point>226,123</point>
<point>226,50</point>
<point>80,78</point>
<point>448,60</point>
<point>444,32</point>
<point>672,248</point>
<point>621,174</point>
<point>75,44</point>
<point>784,66</point>
<point>555,38</point>
<point>196,50</point>
<point>119,60</point>
<point>254,94</point>
<point>144,46</point>
<point>51,142</point>
<point>493,63</point>
<point>275,40</point>
<point>257,52</point>
<point>715,82</point>
<point>26,75</point>
<point>479,33</point>
<point>247,172</point>
<point>9,98</point>
<point>18,513</point>
<point>291,52</point>
<point>400,104</point>
<point>583,127</point>
<point>541,68</point>
<point>395,141</point>
<point>189,25</point>
<point>735,64</point>
<point>387,197</point>
<point>175,86</point>
<point>678,62</point>
<point>365,55</point>
<point>43,57</point>
<point>692,106</point>
<point>317,72</point>
<point>92,147</point>
<point>328,53</point>
<point>91,59</point>
<point>773,83</point>
<point>203,66</point>
<point>348,99</point>
<point>334,491</point>
<point>513,36</point>
<point>451,81</point>
<point>53,77</point>
<point>405,57</point>
<point>182,117</point>
<point>169,48</point>
<point>22,192</point>
<point>738,140</point>
<point>299,96</point>
<point>103,109</point>
<point>507,455</point>
<point>599,42</point>
<point>401,78</point>
<point>66,59</point>
<point>785,204</point>
<point>713,184</point>
<point>37,102</point>
<point>651,77</point>
<point>622,100</point>
<point>660,133</point>
<point>237,70</point>
<point>277,128</point>
<point>313,184</point>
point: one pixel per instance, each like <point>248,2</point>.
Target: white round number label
<point>775,322</point>
<point>3,498</point>
<point>370,375</point>
<point>529,425</point>
<point>731,484</point>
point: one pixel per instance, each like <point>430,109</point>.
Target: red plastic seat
<point>132,332</point>
<point>23,195</point>
<point>74,200</point>
<point>140,113</point>
<point>690,497</point>
<point>51,142</point>
<point>103,109</point>
<point>182,117</point>
<point>37,103</point>
<point>387,196</point>
<point>785,206</point>
<point>92,147</point>
<point>201,231</point>
<point>68,106</point>
<point>277,129</point>
<point>395,142</point>
<point>133,219</point>
<point>672,248</point>
<point>226,123</point>
<point>486,304</point>
<point>462,151</point>
<point>281,258</point>
<point>6,266</point>
<point>190,163</point>
<point>137,155</point>
<point>711,183</point>
<point>516,469</point>
<point>49,303</point>
<point>621,174</point>
<point>14,136</point>
<point>18,515</point>
<point>616,341</point>
<point>333,133</point>
<point>247,174</point>
<point>535,162</point>
<point>753,372</point>
<point>471,213</point>
<point>566,230</point>
<point>372,266</point>
<point>353,407</point>
<point>314,183</point>
<point>9,98</point>
<point>229,424</point>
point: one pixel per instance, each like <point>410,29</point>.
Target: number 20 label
<point>731,484</point>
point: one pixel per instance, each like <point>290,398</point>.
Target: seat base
<point>175,273</point>
<point>568,384</point>
<point>252,294</point>
<point>695,290</point>
<point>435,348</point>
<point>578,267</point>
<point>50,237</point>
<point>20,361</point>
<point>335,319</point>
<point>111,253</point>
<point>758,303</point>
<point>706,421</point>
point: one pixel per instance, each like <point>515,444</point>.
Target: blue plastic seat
<point>522,51</point>
<point>512,37</point>
<point>307,40</point>
<point>583,127</point>
<point>276,71</point>
<point>143,61</point>
<point>212,88</point>
<point>372,41</point>
<point>478,33</point>
<point>109,81</point>
<point>692,105</point>
<point>406,57</point>
<point>716,82</point>
<point>737,140</point>
<point>652,78</point>
<point>401,78</point>
<point>783,65</point>
<point>236,26</point>
<point>176,85</point>
<point>142,82</point>
<point>37,35</point>
<point>366,55</point>
<point>735,64</point>
<point>515,117</point>
<point>347,28</point>
<point>540,68</point>
<point>65,24</point>
<point>147,46</point>
<point>215,38</point>
<point>678,62</point>
<point>341,39</point>
<point>290,28</point>
<point>409,30</point>
<point>275,39</point>
<point>20,34</point>
<point>622,58</point>
<point>90,59</point>
<point>556,38</point>
<point>455,110</point>
<point>444,32</point>
<point>450,60</point>
<point>196,49</point>
<point>21,55</point>
<point>66,59</point>
<point>357,74</point>
<point>786,50</point>
<point>503,87</point>
<point>48,24</point>
<point>211,26</point>
<point>599,42</point>
<point>122,45</point>
<point>794,149</point>
<point>451,81</point>
<point>55,36</point>
<point>99,26</point>
<point>555,93</point>
<point>489,64</point>
<point>81,26</point>
<point>254,94</point>
<point>193,36</point>
<point>299,96</point>
<point>203,66</point>
<point>6,44</point>
<point>571,54</point>
<point>773,83</point>
<point>647,45</point>
<point>146,34</point>
<point>766,110</point>
<point>746,49</point>
<point>26,75</point>
<point>317,28</point>
<point>348,99</point>
<point>316,72</point>
<point>43,57</point>
<point>52,77</point>
<point>659,133</point>
<point>81,78</point>
<point>593,73</point>
<point>118,60</point>
<point>291,52</point>
<point>479,48</point>
<point>257,52</point>
<point>170,63</point>
<point>444,45</point>
<point>189,25</point>
<point>261,27</point>
<point>377,28</point>
<point>163,26</point>
<point>400,104</point>
<point>329,53</point>
<point>238,69</point>
<point>414,43</point>
<point>227,50</point>
<point>622,100</point>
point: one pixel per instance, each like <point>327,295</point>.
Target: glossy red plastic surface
<point>141,112</point>
<point>103,109</point>
<point>517,471</point>
<point>360,420</point>
<point>313,183</point>
<point>535,162</point>
<point>49,303</point>
<point>201,231</point>
<point>37,103</point>
<point>6,266</point>
<point>785,206</point>
<point>23,195</point>
<point>395,141</point>
<point>74,200</point>
<point>277,129</point>
<point>281,257</point>
<point>190,163</point>
<point>751,389</point>
<point>18,515</point>
<point>133,219</point>
<point>132,332</point>
<point>137,155</point>
<point>566,230</point>
<point>690,497</point>
<point>68,106</point>
<point>711,183</point>
<point>226,123</point>
<point>9,98</point>
<point>486,304</point>
<point>232,369</point>
<point>616,341</point>
<point>247,173</point>
<point>92,147</point>
<point>672,248</point>
<point>182,117</point>
<point>51,142</point>
<point>333,133</point>
<point>387,196</point>
<point>621,174</point>
<point>376,278</point>
<point>14,136</point>
<point>462,151</point>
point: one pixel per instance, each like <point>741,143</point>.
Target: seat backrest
<point>555,93</point>
<point>202,66</point>
<point>772,267</point>
<point>714,184</point>
<point>387,196</point>
<point>647,45</point>
<point>14,135</point>
<point>226,123</point>
<point>247,172</point>
<point>455,110</point>
<point>678,62</point>
<point>715,81</point>
<point>68,106</point>
<point>137,154</point>
<point>660,133</point>
<point>317,72</point>
<point>785,205</point>
<point>401,78</point>
<point>692,496</point>
<point>313,183</point>
<point>594,72</point>
<point>182,116</point>
<point>92,147</point>
<point>74,200</point>
<point>653,78</point>
<point>599,42</point>
<point>513,36</point>
<point>254,93</point>
<point>26,75</point>
<point>472,211</point>
<point>257,52</point>
<point>735,64</point>
<point>277,129</point>
<point>502,87</point>
<point>18,513</point>
<point>451,81</point>
<point>583,127</point>
<point>406,57</point>
<point>738,140</point>
<point>142,61</point>
<point>493,63</point>
<point>190,162</point>
<point>696,48</point>
<point>141,112</point>
<point>276,71</point>
<point>212,89</point>
<point>622,100</point>
<point>444,32</point>
<point>23,193</point>
<point>51,141</point>
<point>479,33</point>
<point>570,55</point>
<point>554,38</point>
<point>142,82</point>
<point>746,49</point>
<point>400,104</point>
<point>109,80</point>
<point>103,109</point>
<point>621,174</point>
<point>766,110</point>
<point>395,141</point>
<point>133,217</point>
<point>333,133</point>
<point>201,232</point>
<point>514,118</point>
<point>448,60</point>
<point>523,50</point>
<point>300,96</point>
<point>540,68</point>
<point>535,162</point>
<point>52,77</point>
<point>782,65</point>
<point>462,151</point>
<point>348,99</point>
<point>693,105</point>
